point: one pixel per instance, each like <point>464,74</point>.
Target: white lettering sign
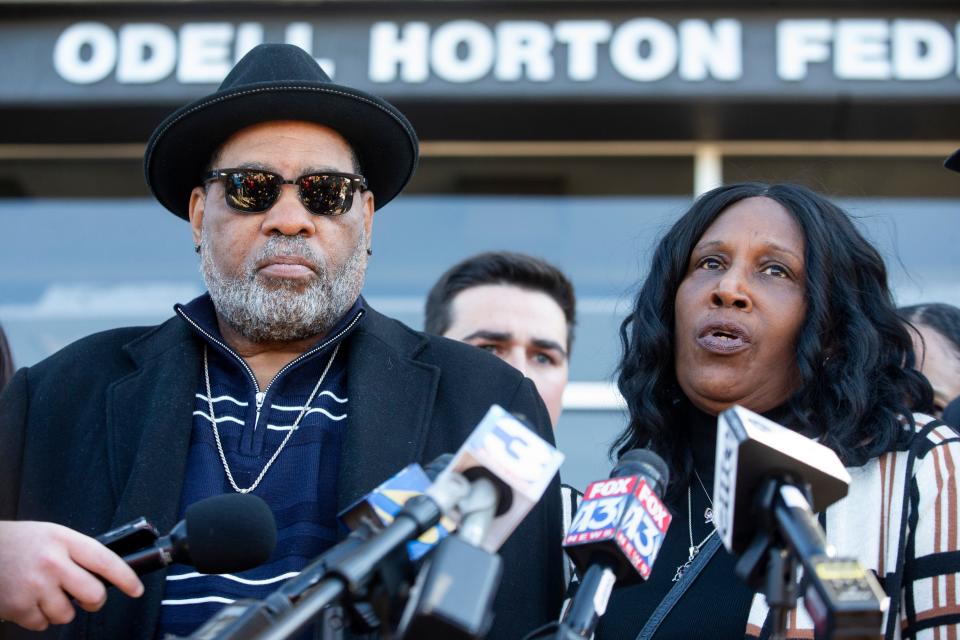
<point>710,50</point>
<point>799,43</point>
<point>582,38</point>
<point>392,48</point>
<point>141,53</point>
<point>462,51</point>
<point>205,52</point>
<point>101,53</point>
<point>524,51</point>
<point>642,50</point>
<point>148,53</point>
<point>922,50</point>
<point>866,49</point>
<point>861,51</point>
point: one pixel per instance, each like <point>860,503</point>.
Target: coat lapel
<point>391,398</point>
<point>150,414</point>
<point>149,420</point>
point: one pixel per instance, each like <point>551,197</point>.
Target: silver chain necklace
<point>694,550</point>
<point>296,423</point>
<point>708,512</point>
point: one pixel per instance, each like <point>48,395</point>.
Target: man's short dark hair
<point>499,268</point>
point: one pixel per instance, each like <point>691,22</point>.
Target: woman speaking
<point>768,297</point>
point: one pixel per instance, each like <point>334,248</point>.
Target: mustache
<point>286,246</point>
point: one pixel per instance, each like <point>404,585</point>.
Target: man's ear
<point>368,210</point>
<point>198,200</point>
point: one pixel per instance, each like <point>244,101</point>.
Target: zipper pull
<point>260,396</point>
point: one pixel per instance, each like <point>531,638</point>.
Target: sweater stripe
<point>230,576</point>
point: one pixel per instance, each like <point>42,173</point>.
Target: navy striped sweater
<point>301,485</point>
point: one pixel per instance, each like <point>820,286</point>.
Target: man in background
<point>518,307</point>
<point>523,310</point>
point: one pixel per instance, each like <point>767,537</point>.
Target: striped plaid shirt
<point>900,520</point>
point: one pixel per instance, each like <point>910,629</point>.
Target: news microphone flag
<point>622,515</point>
<point>751,448</point>
<point>385,502</point>
<point>505,450</point>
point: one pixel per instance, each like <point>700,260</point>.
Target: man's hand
<point>43,565</point>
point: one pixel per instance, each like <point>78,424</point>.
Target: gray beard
<point>279,310</point>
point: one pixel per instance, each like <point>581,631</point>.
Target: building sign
<point>510,57</point>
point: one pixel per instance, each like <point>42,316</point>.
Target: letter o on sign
<point>479,51</point>
<point>67,53</point>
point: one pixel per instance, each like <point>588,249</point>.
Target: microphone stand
<point>245,619</point>
<point>841,597</point>
<point>453,595</point>
<point>582,616</point>
<point>354,571</point>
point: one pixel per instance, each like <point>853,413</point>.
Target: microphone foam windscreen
<point>646,463</point>
<point>230,532</point>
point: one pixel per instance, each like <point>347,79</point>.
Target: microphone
<point>383,503</point>
<point>750,449</point>
<point>500,448</point>
<point>615,536</point>
<point>245,618</point>
<point>221,534</point>
<point>455,589</point>
<point>766,476</point>
<point>509,467</point>
<point>514,458</point>
<point>353,571</point>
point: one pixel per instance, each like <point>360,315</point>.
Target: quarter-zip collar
<point>201,316</point>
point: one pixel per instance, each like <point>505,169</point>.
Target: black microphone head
<point>504,492</point>
<point>438,464</point>
<point>643,462</point>
<point>229,533</point>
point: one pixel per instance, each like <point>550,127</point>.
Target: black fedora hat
<point>953,162</point>
<point>279,82</point>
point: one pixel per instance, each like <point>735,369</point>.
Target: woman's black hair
<point>853,352</point>
<point>942,318</point>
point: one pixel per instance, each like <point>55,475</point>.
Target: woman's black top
<point>717,603</point>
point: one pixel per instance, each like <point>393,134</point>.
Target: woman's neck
<point>700,429</point>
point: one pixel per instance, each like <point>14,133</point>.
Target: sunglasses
<point>255,190</point>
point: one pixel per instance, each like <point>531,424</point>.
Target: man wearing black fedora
<point>281,380</point>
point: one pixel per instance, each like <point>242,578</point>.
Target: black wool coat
<point>97,435</point>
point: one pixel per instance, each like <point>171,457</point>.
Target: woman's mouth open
<point>724,338</point>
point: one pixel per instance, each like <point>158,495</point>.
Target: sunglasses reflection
<point>256,191</point>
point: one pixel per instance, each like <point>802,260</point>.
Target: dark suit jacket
<point>97,435</point>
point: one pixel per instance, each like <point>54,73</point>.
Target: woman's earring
<point>369,251</point>
<point>196,248</point>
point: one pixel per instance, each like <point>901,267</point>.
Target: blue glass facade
<point>72,267</point>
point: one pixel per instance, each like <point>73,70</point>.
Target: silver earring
<point>196,248</point>
<point>369,251</point>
